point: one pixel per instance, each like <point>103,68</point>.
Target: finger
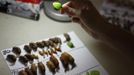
<point>64,7</point>
<point>69,3</point>
<point>68,10</point>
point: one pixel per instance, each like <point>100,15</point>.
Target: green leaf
<point>87,73</point>
<point>57,5</point>
<point>95,72</point>
<point>70,44</point>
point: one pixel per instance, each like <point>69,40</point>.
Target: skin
<point>90,19</point>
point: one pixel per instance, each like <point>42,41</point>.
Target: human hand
<point>82,12</point>
<point>77,9</point>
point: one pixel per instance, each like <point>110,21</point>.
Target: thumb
<point>67,10</point>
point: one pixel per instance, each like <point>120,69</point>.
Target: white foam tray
<point>83,58</point>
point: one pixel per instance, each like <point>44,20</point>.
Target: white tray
<point>83,58</point>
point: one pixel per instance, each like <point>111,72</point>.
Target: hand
<point>81,11</point>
